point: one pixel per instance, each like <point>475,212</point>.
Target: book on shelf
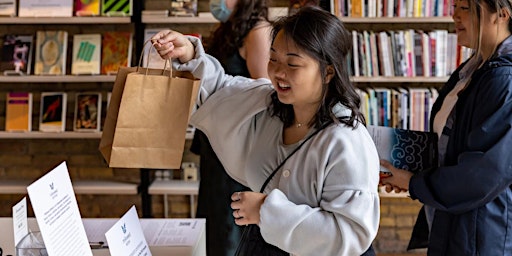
<point>16,56</point>
<point>51,52</point>
<point>87,7</point>
<point>116,51</point>
<point>116,7</point>
<point>52,116</point>
<point>87,117</point>
<point>187,8</point>
<point>46,8</point>
<point>86,54</point>
<point>8,8</point>
<point>409,150</point>
<point>18,112</point>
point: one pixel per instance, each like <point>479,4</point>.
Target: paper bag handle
<point>147,61</point>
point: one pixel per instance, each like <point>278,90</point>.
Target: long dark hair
<point>229,36</point>
<point>323,37</point>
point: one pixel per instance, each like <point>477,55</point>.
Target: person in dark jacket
<point>468,199</point>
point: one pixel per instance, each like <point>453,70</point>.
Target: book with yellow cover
<point>18,112</point>
<point>87,7</point>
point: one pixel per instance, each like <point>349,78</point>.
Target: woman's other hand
<point>246,207</point>
<point>173,45</point>
<point>398,180</point>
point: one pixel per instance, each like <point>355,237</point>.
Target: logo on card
<point>123,227</point>
<point>52,186</point>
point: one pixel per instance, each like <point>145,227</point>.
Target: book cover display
<point>52,116</point>
<point>8,8</point>
<point>116,51</point>
<point>51,52</point>
<point>87,7</point>
<point>87,112</point>
<point>45,8</point>
<point>86,54</point>
<point>183,8</point>
<point>16,55</point>
<point>116,7</point>
<point>18,112</point>
<point>405,149</point>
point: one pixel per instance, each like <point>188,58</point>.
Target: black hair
<point>323,37</point>
<point>229,36</point>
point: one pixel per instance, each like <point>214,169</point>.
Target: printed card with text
<point>126,236</point>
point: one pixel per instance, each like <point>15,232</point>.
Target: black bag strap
<point>291,154</point>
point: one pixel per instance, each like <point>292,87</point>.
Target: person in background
<point>468,199</point>
<point>324,199</point>
<point>241,43</point>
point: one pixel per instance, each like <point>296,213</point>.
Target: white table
<point>198,249</point>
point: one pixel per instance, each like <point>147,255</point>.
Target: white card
<point>19,220</point>
<point>57,214</point>
<point>126,236</point>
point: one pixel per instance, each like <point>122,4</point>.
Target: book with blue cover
<point>410,150</point>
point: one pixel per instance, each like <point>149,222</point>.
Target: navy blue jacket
<point>471,191</point>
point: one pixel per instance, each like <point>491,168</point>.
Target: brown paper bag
<point>147,118</point>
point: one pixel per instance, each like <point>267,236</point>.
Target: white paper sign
<point>126,238</point>
<point>19,220</point>
<point>57,214</point>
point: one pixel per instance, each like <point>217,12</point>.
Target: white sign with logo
<point>126,238</point>
<point>19,220</point>
<point>57,214</point>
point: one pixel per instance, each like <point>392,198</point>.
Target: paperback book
<point>52,116</point>
<point>51,52</point>
<point>87,7</point>
<point>16,54</point>
<point>8,8</point>
<point>46,8</point>
<point>18,112</point>
<point>116,7</point>
<point>116,50</point>
<point>410,150</point>
<point>86,54</point>
<point>87,112</point>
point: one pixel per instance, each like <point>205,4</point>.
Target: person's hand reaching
<point>173,45</point>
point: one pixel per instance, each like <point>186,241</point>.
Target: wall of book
<point>57,70</point>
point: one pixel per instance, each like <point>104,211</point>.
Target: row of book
<point>93,54</point>
<point>52,116</point>
<point>65,8</point>
<point>405,108</point>
<point>406,53</point>
<point>391,8</point>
